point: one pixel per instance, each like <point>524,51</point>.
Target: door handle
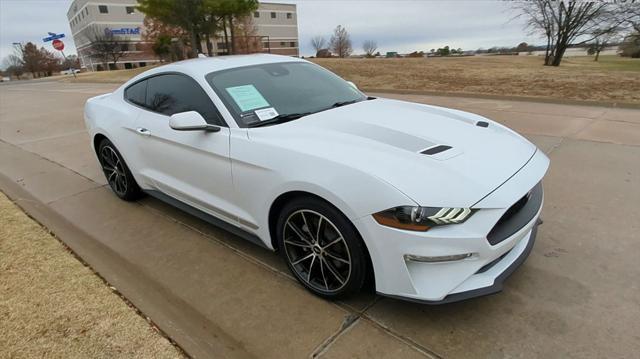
<point>143,131</point>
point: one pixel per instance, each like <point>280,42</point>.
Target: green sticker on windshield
<point>247,97</point>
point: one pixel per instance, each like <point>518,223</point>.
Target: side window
<point>137,93</point>
<point>169,94</point>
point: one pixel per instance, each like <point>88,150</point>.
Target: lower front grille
<point>490,265</point>
<point>517,216</point>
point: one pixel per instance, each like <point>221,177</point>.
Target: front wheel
<point>117,173</point>
<point>321,248</point>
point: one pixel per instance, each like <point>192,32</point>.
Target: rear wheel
<point>117,173</point>
<point>321,248</point>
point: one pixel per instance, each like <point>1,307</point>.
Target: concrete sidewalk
<point>216,295</point>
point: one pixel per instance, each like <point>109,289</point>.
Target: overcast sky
<point>400,25</point>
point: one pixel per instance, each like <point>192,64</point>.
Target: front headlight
<point>421,218</point>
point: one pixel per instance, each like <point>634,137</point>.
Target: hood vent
<point>435,150</point>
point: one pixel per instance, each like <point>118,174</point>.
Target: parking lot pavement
<point>578,294</point>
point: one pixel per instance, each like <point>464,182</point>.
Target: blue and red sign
<point>58,45</point>
<point>53,36</point>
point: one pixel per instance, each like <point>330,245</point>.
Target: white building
<point>276,30</point>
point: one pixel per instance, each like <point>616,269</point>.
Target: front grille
<point>517,216</point>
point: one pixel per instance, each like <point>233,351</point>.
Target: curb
<point>185,329</point>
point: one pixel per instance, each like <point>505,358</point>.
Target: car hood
<point>387,138</point>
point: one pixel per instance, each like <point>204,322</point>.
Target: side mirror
<point>190,121</point>
<point>353,85</point>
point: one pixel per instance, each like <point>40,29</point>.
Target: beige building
<point>276,28</point>
<point>277,24</point>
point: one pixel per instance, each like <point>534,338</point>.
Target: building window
<point>273,15</point>
<point>282,43</point>
<point>289,15</point>
<point>293,44</point>
<point>256,14</point>
<point>130,9</point>
<point>86,10</point>
<point>103,9</point>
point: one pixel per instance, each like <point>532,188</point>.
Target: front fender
<point>262,172</point>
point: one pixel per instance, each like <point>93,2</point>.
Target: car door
<point>191,166</point>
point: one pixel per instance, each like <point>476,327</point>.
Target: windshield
<point>259,93</point>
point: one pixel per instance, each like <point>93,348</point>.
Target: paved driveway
<point>578,295</point>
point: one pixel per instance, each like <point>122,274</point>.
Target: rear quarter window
<point>136,93</point>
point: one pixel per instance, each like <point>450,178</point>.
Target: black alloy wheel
<point>117,173</point>
<point>321,248</point>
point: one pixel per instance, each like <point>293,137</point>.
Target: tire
<point>337,260</point>
<point>117,172</point>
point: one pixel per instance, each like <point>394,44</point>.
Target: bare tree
<point>246,36</point>
<point>107,47</point>
<point>318,43</point>
<point>628,15</point>
<point>369,47</point>
<point>341,42</point>
<point>565,22</point>
<point>13,65</point>
<point>600,43</point>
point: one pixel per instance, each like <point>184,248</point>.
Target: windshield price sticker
<point>266,113</point>
<point>247,97</point>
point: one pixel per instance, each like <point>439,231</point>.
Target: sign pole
<point>73,71</point>
<point>58,45</point>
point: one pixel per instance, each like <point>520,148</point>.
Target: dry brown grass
<point>612,79</point>
<point>114,76</point>
<point>53,306</point>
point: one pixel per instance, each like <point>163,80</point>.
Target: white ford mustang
<point>431,204</point>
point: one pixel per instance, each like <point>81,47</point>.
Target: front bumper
<point>482,273</point>
<point>522,253</point>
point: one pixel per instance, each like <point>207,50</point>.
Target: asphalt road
<point>578,294</point>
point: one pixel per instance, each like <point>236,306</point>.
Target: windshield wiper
<point>280,119</point>
<point>343,103</point>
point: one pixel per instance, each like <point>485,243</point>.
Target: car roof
<point>200,67</point>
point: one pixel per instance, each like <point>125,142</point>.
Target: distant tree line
<point>446,51</point>
<point>340,45</point>
<point>594,25</point>
<point>39,62</point>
